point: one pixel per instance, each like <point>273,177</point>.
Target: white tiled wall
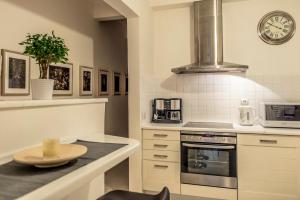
<point>274,70</point>
<point>216,97</point>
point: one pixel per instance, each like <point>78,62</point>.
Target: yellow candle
<point>51,147</point>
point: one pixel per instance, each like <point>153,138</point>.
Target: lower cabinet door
<point>157,175</point>
<point>268,173</point>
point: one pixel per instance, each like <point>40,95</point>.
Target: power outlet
<point>244,102</point>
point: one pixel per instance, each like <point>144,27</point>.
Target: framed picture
<point>103,82</point>
<point>126,84</point>
<point>117,83</point>
<point>15,73</point>
<point>86,80</point>
<point>62,74</point>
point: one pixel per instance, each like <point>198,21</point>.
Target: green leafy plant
<point>45,49</point>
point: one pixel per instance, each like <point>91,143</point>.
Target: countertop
<point>255,129</point>
<point>85,174</point>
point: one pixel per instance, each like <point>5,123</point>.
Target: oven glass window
<point>209,161</point>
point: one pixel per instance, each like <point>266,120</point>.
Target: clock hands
<point>275,26</point>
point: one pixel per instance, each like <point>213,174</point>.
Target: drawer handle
<point>160,135</point>
<point>161,166</point>
<point>161,145</point>
<point>160,156</point>
<point>268,141</point>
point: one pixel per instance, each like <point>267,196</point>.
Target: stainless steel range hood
<point>209,41</point>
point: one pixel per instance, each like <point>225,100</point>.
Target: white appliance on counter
<point>280,115</point>
<point>246,113</point>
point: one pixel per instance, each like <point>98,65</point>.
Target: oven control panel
<point>208,138</point>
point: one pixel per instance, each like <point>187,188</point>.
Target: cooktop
<point>216,125</point>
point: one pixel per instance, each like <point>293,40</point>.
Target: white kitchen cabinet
<point>268,167</point>
<point>161,160</point>
<point>157,174</point>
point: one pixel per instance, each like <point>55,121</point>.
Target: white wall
<point>274,70</point>
<point>23,127</point>
<point>71,20</point>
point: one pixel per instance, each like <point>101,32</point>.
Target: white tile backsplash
<point>216,97</point>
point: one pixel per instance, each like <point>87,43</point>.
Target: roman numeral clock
<point>276,28</point>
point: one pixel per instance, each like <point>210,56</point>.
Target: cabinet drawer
<point>246,195</point>
<point>209,192</point>
<point>268,140</point>
<point>157,175</point>
<point>169,156</point>
<point>161,135</point>
<point>162,145</point>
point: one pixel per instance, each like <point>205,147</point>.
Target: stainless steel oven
<point>209,159</point>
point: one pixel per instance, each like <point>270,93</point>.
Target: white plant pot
<point>42,89</point>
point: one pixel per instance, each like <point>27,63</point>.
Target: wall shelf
<point>48,103</point>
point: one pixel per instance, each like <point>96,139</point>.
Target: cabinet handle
<point>268,141</point>
<point>161,145</point>
<point>160,156</point>
<point>160,135</point>
<point>161,166</point>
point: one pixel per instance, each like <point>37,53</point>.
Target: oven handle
<point>208,146</point>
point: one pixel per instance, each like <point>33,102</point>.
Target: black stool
<point>125,195</point>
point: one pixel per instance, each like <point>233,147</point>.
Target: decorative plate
<point>34,156</point>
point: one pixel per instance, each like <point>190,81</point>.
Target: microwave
<point>280,115</point>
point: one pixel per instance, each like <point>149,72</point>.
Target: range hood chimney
<point>209,41</point>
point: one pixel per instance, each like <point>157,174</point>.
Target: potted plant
<point>45,49</point>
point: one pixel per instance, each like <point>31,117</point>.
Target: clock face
<point>276,27</point>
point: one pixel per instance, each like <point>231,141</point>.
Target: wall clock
<point>276,27</point>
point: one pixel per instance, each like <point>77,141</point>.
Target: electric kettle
<point>246,113</point>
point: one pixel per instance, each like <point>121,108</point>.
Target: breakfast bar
<point>72,121</point>
<point>72,183</point>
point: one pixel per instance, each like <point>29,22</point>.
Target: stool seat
<point>125,195</point>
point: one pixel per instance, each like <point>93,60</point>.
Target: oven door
<point>208,164</point>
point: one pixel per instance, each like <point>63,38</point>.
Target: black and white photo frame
<point>15,78</point>
<point>86,81</point>
<point>103,82</point>
<point>117,84</point>
<point>126,84</point>
<point>62,74</point>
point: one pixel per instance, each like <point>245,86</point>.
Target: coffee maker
<point>167,110</point>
